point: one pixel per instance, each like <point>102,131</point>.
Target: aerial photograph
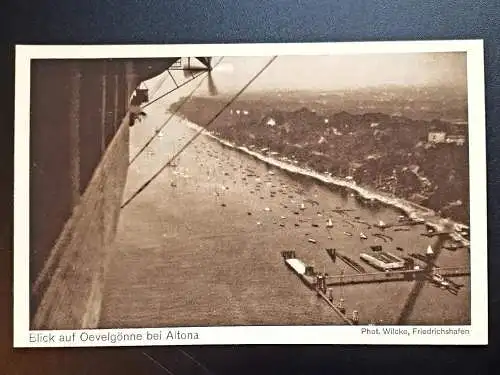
<point>267,190</point>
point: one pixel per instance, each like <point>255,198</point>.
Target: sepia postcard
<point>321,193</point>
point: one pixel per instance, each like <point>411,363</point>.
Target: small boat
<point>302,206</point>
<point>451,246</point>
<point>439,280</point>
<point>363,236</point>
<point>329,224</point>
<point>429,251</point>
<point>348,234</point>
<point>381,224</point>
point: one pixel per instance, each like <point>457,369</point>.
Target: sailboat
<point>363,236</point>
<point>429,251</point>
<point>329,224</point>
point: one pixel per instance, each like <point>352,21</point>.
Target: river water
<point>200,245</point>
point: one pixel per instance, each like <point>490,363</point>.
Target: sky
<point>341,71</point>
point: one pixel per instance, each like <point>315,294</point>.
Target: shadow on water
<point>410,302</point>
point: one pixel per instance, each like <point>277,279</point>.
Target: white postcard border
<point>478,330</point>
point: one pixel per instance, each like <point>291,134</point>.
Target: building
<point>436,137</point>
<point>271,122</point>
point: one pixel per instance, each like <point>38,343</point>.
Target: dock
<point>335,308</point>
<point>321,283</point>
<point>334,254</point>
<point>403,275</point>
<point>313,280</point>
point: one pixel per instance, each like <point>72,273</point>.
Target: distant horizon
<point>331,73</point>
<point>358,88</point>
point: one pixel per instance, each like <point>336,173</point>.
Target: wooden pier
<point>321,283</point>
<point>378,277</point>
<point>334,254</point>
<point>335,308</point>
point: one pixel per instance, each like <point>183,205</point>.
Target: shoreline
<point>416,213</point>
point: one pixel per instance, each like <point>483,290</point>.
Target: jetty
<point>334,254</point>
<point>322,283</point>
<point>315,281</point>
<point>400,275</point>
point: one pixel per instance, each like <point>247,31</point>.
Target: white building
<point>271,122</point>
<point>459,140</point>
<point>436,137</point>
